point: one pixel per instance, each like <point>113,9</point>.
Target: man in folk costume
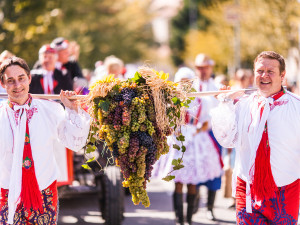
<point>263,129</point>
<point>62,45</point>
<point>212,163</point>
<point>47,79</point>
<point>28,168</point>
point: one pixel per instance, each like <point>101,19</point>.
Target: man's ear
<point>29,76</point>
<point>2,84</point>
<point>282,75</point>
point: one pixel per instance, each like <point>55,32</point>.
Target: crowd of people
<point>249,127</point>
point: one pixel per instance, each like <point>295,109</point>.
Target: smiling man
<point>263,127</point>
<point>29,127</point>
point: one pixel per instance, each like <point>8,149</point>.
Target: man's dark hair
<point>272,55</point>
<point>13,61</point>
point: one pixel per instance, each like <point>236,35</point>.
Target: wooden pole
<point>48,97</point>
<point>191,94</point>
<point>214,93</point>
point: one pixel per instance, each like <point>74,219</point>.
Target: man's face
<point>63,55</point>
<point>16,83</point>
<point>48,60</point>
<point>204,72</point>
<point>267,76</point>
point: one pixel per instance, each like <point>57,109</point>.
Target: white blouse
<point>48,122</point>
<point>240,126</point>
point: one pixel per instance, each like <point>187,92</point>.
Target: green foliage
<point>168,178</point>
<point>176,147</point>
<point>27,24</point>
<point>181,24</point>
<point>104,105</point>
<point>263,25</point>
<point>101,28</point>
<point>138,78</point>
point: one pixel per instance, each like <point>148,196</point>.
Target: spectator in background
<point>88,75</point>
<point>243,79</point>
<point>48,79</point>
<point>212,156</point>
<point>221,80</point>
<point>74,50</point>
<point>81,85</point>
<point>4,55</point>
<point>114,66</point>
<point>65,59</point>
<point>111,65</point>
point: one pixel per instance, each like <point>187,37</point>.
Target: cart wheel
<point>111,198</point>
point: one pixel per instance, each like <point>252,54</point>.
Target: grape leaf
<point>176,147</point>
<point>176,100</point>
<point>138,78</point>
<point>175,162</point>
<point>178,167</point>
<point>104,105</point>
<point>183,148</point>
<point>169,178</point>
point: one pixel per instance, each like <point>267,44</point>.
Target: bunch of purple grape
<point>130,131</point>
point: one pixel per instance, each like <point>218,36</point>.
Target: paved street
<point>83,211</point>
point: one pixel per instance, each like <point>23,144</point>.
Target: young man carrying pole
<point>29,128</point>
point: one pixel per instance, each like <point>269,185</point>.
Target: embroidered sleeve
<point>224,124</point>
<point>74,129</point>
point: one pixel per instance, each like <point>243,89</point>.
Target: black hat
<point>60,43</point>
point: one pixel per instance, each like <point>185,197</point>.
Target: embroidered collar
<point>275,96</point>
<point>12,104</point>
<point>278,94</point>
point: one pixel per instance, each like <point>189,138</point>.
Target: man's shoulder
<point>71,63</point>
<point>48,105</point>
<point>3,104</point>
<point>293,99</point>
<point>49,110</point>
<point>293,96</point>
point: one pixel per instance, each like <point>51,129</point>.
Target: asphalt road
<point>84,210</point>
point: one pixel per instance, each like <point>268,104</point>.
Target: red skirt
<point>34,217</point>
<point>282,209</point>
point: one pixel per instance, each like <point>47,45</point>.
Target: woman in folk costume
<point>263,127</point>
<point>28,168</point>
<point>211,155</point>
<point>193,161</point>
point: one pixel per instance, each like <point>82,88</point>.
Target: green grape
<point>150,127</point>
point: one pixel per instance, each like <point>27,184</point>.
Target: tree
<point>101,28</point>
<point>264,25</point>
<point>189,16</point>
<point>27,24</point>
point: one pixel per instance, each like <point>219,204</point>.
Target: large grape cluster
<point>131,133</point>
<point>128,94</point>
